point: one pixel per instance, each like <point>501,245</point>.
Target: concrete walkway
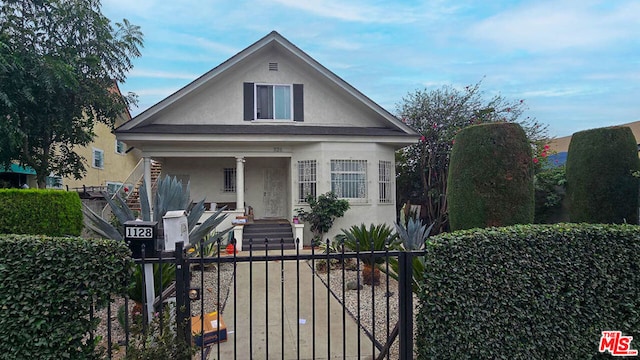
<point>262,339</point>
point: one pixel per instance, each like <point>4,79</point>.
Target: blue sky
<point>576,63</point>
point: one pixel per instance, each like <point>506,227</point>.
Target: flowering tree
<point>438,115</point>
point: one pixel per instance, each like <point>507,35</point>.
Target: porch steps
<point>267,235</point>
<point>133,201</point>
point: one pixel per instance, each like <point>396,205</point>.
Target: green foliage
<point>158,342</point>
<point>550,190</point>
<point>48,287</point>
<point>528,291</point>
<point>438,115</point>
<point>414,234</point>
<point>363,239</point>
<point>59,64</point>
<point>40,212</point>
<point>491,177</point>
<point>323,212</point>
<point>600,184</point>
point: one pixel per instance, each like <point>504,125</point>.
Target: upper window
<point>54,181</point>
<point>384,181</point>
<point>98,158</point>
<point>121,148</point>
<point>273,102</point>
<point>306,179</point>
<point>349,179</point>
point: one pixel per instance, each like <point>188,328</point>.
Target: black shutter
<point>298,102</point>
<point>248,101</point>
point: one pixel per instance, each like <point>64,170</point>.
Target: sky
<point>575,63</point>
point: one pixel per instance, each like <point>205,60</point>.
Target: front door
<point>275,195</point>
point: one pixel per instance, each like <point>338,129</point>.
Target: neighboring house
<point>109,162</point>
<point>561,145</point>
<point>270,126</point>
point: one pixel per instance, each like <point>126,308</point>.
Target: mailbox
<point>137,233</point>
<point>176,228</point>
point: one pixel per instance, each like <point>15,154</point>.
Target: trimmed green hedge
<point>600,187</point>
<point>529,292</point>
<point>40,212</point>
<point>48,286</point>
<point>490,180</point>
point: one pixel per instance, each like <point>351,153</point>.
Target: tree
<point>60,61</point>
<point>323,212</point>
<point>438,115</point>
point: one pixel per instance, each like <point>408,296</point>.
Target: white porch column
<point>147,181</point>
<point>240,184</point>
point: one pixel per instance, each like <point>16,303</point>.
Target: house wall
<point>117,167</point>
<point>221,102</point>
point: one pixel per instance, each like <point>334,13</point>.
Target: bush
<point>600,186</point>
<point>528,291</point>
<point>490,180</point>
<point>40,212</point>
<point>48,287</point>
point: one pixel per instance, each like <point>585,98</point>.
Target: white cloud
<point>556,25</point>
<point>351,11</point>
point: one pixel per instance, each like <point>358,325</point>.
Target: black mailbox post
<point>137,233</point>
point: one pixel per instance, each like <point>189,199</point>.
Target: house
<point>268,127</point>
<point>561,145</point>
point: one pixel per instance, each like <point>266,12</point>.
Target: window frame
<point>93,158</point>
<point>124,148</point>
<point>229,174</point>
<point>307,178</point>
<point>385,183</point>
<point>274,102</point>
<point>359,184</point>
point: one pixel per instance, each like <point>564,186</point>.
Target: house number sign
<point>139,232</point>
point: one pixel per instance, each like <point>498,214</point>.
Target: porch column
<point>147,181</point>
<point>240,184</point>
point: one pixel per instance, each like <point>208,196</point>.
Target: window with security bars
<point>349,179</point>
<point>384,181</point>
<point>229,179</point>
<point>306,179</point>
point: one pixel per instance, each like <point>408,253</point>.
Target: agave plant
<point>412,237</point>
<point>363,240</point>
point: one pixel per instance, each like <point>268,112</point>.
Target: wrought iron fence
<point>287,304</point>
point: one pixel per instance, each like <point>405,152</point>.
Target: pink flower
<point>543,154</point>
<point>126,189</point>
<point>535,160</point>
<point>546,147</point>
<point>423,139</point>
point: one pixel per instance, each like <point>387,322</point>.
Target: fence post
<point>405,296</point>
<point>183,304</point>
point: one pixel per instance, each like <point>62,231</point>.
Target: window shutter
<point>298,102</point>
<point>248,101</point>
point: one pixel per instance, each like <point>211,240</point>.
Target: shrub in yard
<point>490,180</point>
<point>600,186</point>
<point>528,291</point>
<point>40,212</point>
<point>48,287</point>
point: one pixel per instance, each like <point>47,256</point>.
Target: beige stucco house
<point>269,126</point>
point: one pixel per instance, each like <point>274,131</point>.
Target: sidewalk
<point>328,332</point>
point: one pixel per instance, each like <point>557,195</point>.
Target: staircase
<point>267,235</point>
<point>133,201</point>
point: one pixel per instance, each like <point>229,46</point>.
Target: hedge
<point>490,181</point>
<point>40,212</point>
<point>600,185</point>
<point>48,286</point>
<point>529,292</point>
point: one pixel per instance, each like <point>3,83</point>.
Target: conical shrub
<point>490,179</point>
<point>600,184</point>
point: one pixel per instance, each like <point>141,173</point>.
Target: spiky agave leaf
<point>195,213</point>
<point>145,210</point>
<point>96,223</point>
<point>208,225</point>
<point>119,208</point>
<point>414,235</point>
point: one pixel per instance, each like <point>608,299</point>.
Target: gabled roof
<point>274,37</point>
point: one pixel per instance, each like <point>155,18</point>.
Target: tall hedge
<point>529,292</point>
<point>600,187</point>
<point>40,212</point>
<point>48,287</point>
<point>490,180</point>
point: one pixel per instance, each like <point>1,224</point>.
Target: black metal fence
<point>287,304</point>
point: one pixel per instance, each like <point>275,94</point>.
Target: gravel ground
<point>372,303</point>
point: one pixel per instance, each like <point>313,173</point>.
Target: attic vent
<point>273,66</point>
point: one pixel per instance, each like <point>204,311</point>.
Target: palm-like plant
<point>366,240</point>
